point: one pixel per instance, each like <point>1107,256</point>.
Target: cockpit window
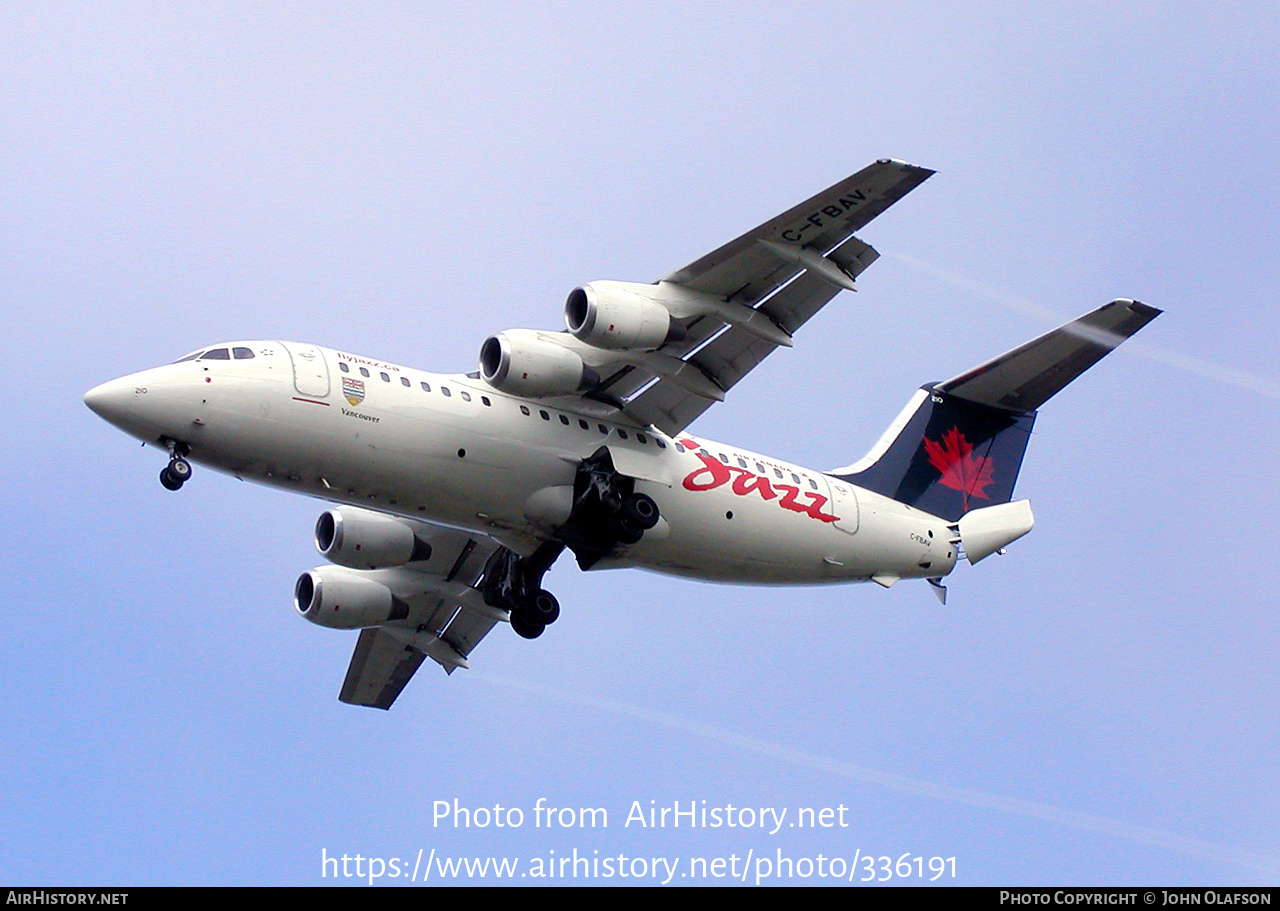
<point>242,353</point>
<point>190,357</point>
<point>216,354</point>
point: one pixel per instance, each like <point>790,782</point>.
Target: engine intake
<point>619,315</point>
<point>342,599</point>
<point>362,539</point>
<point>521,362</point>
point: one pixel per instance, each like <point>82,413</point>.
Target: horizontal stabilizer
<point>1025,378</point>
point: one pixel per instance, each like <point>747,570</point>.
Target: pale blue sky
<point>1099,706</point>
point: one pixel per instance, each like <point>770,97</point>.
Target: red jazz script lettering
<point>744,482</point>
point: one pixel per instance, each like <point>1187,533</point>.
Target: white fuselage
<point>449,449</point>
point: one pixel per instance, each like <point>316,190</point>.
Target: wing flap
<point>465,632</point>
<point>729,356</point>
<point>822,222</point>
<point>786,269</point>
<point>440,626</point>
<point>379,670</point>
<point>749,271</point>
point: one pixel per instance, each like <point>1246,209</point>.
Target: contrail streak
<point>1029,808</point>
<point>1207,369</point>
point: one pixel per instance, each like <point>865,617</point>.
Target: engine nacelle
<point>619,315</point>
<point>362,539</point>
<point>342,599</point>
<point>521,362</point>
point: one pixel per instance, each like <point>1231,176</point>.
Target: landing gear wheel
<point>180,470</point>
<point>623,531</point>
<point>544,607</point>
<point>639,511</point>
<point>526,626</point>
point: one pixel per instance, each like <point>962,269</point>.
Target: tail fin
<point>959,445</point>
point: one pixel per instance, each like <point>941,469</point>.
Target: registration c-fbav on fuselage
<point>458,492</point>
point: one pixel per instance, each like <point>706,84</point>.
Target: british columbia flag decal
<point>353,390</point>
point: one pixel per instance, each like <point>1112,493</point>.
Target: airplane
<point>457,492</point>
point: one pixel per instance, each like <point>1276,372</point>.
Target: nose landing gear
<point>178,471</point>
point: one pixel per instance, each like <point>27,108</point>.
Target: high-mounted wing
<point>438,613</point>
<point>661,354</point>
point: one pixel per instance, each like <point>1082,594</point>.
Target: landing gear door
<point>310,371</point>
<point>844,503</point>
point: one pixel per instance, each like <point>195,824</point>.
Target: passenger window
<point>524,409</point>
<point>426,387</point>
<point>466,396</point>
<point>795,478</point>
<point>661,445</point>
<point>622,433</point>
<point>760,469</point>
<point>364,372</point>
<point>485,400</point>
<point>242,354</point>
<point>777,472</point>
<point>583,424</point>
<point>813,483</point>
<point>564,420</point>
<point>404,381</point>
<point>604,429</point>
<point>385,378</point>
<point>742,463</point>
<point>216,354</point>
<point>724,458</point>
<point>679,447</point>
<point>342,365</point>
<point>640,438</point>
<point>543,413</point>
<point>444,391</point>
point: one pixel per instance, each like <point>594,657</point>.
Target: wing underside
<point>380,668</point>
<point>766,284</point>
<point>446,618</point>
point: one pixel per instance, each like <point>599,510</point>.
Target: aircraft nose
<point>111,400</point>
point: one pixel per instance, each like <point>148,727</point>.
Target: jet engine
<point>521,362</point>
<point>342,599</point>
<point>362,539</point>
<point>619,315</point>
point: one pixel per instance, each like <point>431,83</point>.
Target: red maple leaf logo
<point>961,470</point>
